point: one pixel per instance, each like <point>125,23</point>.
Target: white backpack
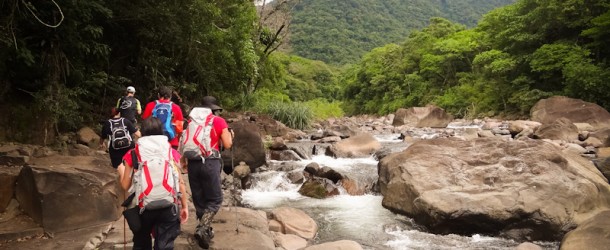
<point>196,142</point>
<point>156,183</point>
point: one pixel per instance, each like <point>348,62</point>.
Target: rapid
<point>361,218</point>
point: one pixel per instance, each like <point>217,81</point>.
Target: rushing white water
<point>359,218</point>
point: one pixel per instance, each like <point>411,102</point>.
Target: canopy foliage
<point>515,56</point>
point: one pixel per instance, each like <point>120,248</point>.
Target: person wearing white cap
<point>128,105</point>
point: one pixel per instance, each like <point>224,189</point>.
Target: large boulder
<point>591,234</point>
<point>89,137</point>
<point>247,146</point>
<point>64,198</point>
<point>577,111</point>
<point>560,129</point>
<point>429,116</point>
<point>520,189</point>
<point>361,145</point>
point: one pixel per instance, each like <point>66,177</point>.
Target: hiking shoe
<point>203,237</point>
<point>210,233</point>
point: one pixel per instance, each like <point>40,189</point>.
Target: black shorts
<point>116,156</point>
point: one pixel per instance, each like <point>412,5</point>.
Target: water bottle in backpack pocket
<point>119,135</point>
<point>163,111</point>
<point>196,142</point>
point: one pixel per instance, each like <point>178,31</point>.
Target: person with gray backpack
<point>157,204</point>
<point>119,133</point>
<point>200,146</point>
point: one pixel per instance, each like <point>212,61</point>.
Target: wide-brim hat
<point>211,103</point>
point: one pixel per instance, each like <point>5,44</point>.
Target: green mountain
<point>341,31</point>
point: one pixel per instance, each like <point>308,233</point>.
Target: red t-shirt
<point>218,125</point>
<point>177,117</point>
<point>129,163</point>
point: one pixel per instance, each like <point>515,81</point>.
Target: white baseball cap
<point>131,89</point>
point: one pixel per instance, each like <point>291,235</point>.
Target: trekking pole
<point>124,222</point>
<point>233,185</point>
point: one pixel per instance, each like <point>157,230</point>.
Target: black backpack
<point>127,107</point>
<point>119,135</point>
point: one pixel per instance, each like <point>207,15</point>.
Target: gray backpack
<point>196,142</point>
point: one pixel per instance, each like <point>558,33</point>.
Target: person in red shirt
<point>177,119</point>
<point>204,175</point>
<point>163,223</point>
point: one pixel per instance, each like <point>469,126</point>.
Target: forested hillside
<point>341,31</point>
<point>515,56</point>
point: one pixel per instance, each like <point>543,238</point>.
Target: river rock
<point>361,145</point>
<point>528,246</point>
<point>247,146</point>
<point>312,169</point>
<point>295,177</point>
<point>329,173</point>
<point>241,171</point>
<point>252,232</point>
<point>603,135</point>
<point>67,198</point>
<point>486,133</point>
<point>516,127</point>
<point>8,178</point>
<point>560,129</point>
<point>603,164</point>
<point>289,241</point>
<point>352,187</point>
<point>521,189</point>
<point>593,142</point>
<point>583,126</point>
<point>591,234</point>
<point>318,188</point>
<point>295,221</point>
<point>336,245</point>
<point>577,111</point>
<point>278,144</point>
<point>429,116</point>
<point>89,137</point>
<point>284,155</point>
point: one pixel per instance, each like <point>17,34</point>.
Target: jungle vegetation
<point>65,62</point>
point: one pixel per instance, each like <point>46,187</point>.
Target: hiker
<point>204,134</point>
<point>162,206</point>
<point>119,132</point>
<point>129,105</point>
<point>168,112</point>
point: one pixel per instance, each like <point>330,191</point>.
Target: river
<point>361,218</point>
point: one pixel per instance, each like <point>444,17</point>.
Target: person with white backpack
<point>151,173</point>
<point>119,132</point>
<point>200,148</point>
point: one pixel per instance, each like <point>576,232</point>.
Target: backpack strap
<point>134,159</point>
<point>211,123</point>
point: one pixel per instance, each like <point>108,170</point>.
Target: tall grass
<point>323,109</point>
<point>293,114</point>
